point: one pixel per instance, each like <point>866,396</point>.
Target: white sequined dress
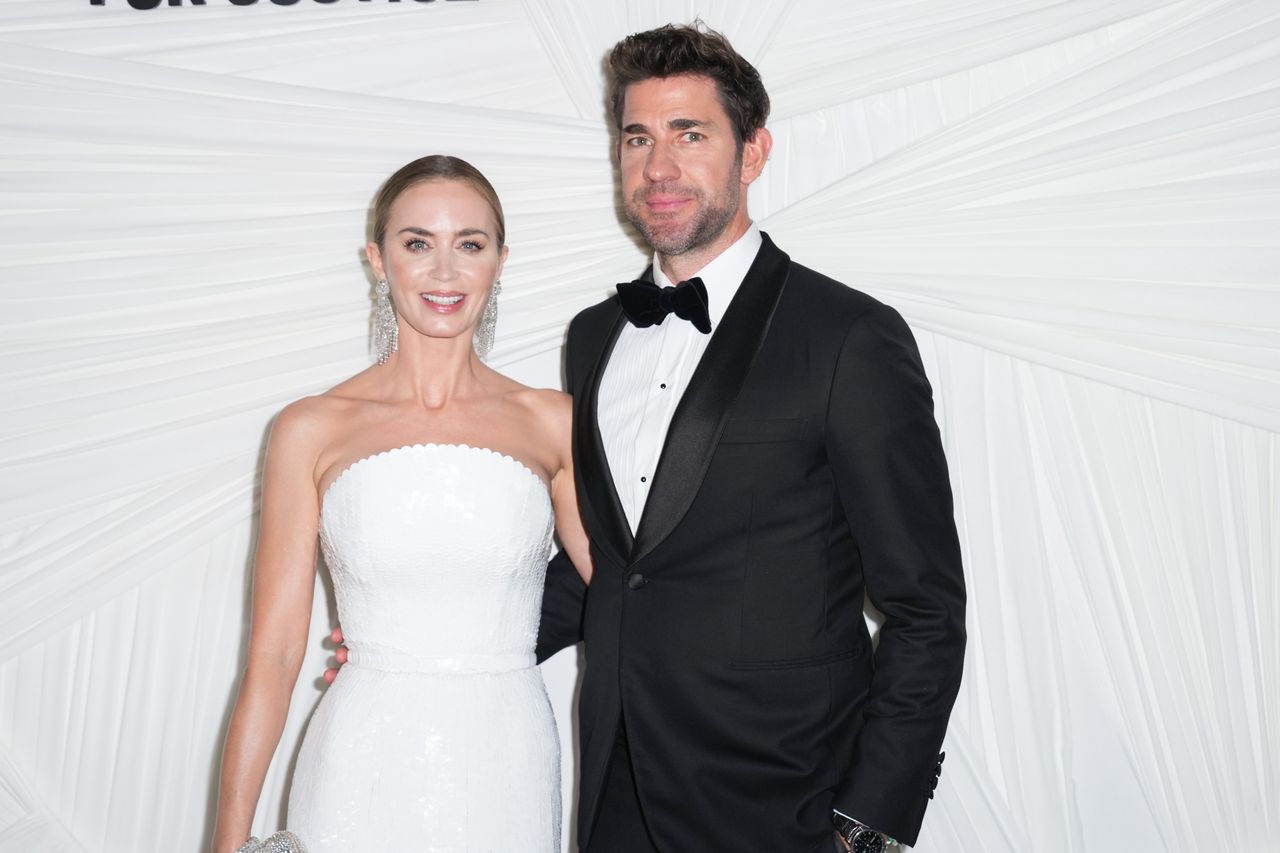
<point>438,734</point>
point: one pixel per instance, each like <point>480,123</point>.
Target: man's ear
<point>755,153</point>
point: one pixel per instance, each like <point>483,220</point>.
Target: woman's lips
<point>444,302</point>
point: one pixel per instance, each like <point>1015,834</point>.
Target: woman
<point>430,482</point>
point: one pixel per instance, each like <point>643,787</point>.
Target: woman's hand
<point>340,654</point>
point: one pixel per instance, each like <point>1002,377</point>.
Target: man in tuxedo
<point>755,451</point>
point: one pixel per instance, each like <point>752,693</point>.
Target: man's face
<point>682,172</point>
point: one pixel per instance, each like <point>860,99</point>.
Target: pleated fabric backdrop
<point>1075,204</point>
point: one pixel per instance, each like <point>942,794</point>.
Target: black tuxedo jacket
<point>803,468</point>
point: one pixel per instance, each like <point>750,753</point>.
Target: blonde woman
<point>432,484</point>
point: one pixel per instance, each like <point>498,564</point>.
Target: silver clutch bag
<point>280,842</point>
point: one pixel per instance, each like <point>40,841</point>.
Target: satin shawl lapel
<point>699,418</point>
<point>596,487</point>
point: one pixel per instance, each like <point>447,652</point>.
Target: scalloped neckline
<point>431,445</point>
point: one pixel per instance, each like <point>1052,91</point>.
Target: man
<point>747,469</point>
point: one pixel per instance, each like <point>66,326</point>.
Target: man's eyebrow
<point>674,124</point>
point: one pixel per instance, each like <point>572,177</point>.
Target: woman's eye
<point>472,246</point>
<point>416,245</point>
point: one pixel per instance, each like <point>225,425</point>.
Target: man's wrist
<point>859,837</point>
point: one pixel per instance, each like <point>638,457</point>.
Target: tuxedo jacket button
<point>635,581</point>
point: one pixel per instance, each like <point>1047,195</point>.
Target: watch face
<point>867,841</point>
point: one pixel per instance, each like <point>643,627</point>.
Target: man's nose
<point>661,164</point>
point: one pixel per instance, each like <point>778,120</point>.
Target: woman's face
<point>440,257</point>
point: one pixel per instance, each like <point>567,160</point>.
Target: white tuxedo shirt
<point>650,369</point>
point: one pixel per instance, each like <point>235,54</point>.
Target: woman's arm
<point>564,493</point>
<point>283,584</point>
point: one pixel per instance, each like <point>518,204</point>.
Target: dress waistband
<point>461,663</point>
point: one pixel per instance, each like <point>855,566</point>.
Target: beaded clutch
<point>280,842</point>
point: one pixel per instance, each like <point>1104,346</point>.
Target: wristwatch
<point>859,837</point>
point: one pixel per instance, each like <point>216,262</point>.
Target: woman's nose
<point>443,267</point>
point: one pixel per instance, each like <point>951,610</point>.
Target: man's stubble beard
<point>707,225</point>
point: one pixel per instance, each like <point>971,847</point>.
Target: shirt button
<point>663,385</point>
<point>636,581</point>
<point>644,479</point>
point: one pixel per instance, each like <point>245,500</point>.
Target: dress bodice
<point>438,553</point>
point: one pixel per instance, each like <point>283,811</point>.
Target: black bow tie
<point>646,304</point>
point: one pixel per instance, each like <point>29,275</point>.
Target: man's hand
<point>340,654</point>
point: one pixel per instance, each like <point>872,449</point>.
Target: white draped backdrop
<point>1075,203</point>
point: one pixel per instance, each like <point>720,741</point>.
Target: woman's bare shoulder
<point>304,425</point>
<point>314,419</point>
<point>548,418</point>
<point>548,404</point>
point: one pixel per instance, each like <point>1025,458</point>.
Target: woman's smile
<point>444,302</point>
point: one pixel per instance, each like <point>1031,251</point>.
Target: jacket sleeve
<point>886,454</point>
<point>563,601</point>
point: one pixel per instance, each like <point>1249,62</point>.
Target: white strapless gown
<point>438,734</point>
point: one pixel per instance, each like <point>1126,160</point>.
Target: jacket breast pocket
<point>765,431</point>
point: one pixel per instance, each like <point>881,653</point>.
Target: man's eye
<point>637,141</point>
<point>693,136</point>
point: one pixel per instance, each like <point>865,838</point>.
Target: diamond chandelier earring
<point>488,322</point>
<point>386,334</point>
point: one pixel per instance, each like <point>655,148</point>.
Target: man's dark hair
<point>673,50</point>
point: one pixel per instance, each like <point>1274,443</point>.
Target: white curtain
<point>1076,204</point>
